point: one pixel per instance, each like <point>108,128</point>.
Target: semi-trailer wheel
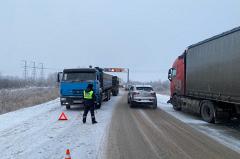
<point>208,111</point>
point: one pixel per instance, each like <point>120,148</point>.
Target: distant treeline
<point>159,86</point>
<point>9,82</point>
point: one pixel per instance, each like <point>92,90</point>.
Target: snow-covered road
<point>36,132</point>
<point>225,133</point>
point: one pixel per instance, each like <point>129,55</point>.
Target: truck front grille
<point>77,92</point>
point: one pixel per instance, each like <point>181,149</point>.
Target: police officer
<point>89,102</point>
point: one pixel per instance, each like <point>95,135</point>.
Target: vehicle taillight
<point>153,94</point>
<point>135,93</point>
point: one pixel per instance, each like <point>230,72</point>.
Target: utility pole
<point>25,70</point>
<point>128,75</point>
<point>42,71</point>
<point>34,71</point>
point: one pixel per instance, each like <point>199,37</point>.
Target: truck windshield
<point>79,76</point>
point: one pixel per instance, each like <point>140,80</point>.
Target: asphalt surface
<point>144,133</point>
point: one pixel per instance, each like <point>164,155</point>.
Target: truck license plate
<point>77,101</point>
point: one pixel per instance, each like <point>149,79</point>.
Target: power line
<point>36,69</point>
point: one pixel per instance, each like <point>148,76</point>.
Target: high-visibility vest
<point>88,95</point>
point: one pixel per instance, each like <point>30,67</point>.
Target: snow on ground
<point>32,88</point>
<point>35,132</point>
<point>226,134</point>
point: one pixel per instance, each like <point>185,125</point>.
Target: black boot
<point>84,120</point>
<point>94,120</point>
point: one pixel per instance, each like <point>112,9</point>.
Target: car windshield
<point>79,76</point>
<point>144,89</point>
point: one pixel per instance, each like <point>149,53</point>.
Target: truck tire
<point>176,104</point>
<point>99,103</point>
<point>68,106</point>
<point>98,106</point>
<point>208,111</point>
<point>106,97</point>
<point>109,95</point>
<point>114,93</point>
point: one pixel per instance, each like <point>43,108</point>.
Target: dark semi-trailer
<point>205,79</point>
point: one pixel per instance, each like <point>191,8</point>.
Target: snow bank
<point>12,119</point>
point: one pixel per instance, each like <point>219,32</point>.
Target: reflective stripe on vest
<point>88,95</point>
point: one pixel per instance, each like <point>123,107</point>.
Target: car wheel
<point>132,105</point>
<point>155,104</point>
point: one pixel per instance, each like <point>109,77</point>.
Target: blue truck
<point>74,81</point>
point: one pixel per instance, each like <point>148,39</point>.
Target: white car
<point>142,95</point>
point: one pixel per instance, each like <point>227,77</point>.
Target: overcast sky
<point>143,35</point>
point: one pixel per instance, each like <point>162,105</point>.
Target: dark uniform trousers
<point>88,106</point>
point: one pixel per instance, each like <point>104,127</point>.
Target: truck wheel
<point>114,93</point>
<point>106,97</point>
<point>99,103</point>
<point>208,111</point>
<point>68,106</point>
<point>176,104</point>
<point>109,95</point>
<point>98,106</point>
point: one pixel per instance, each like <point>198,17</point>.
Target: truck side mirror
<point>170,74</point>
<point>59,75</point>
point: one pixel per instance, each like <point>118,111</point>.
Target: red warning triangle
<point>63,117</point>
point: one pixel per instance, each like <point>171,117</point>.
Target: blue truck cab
<point>74,81</point>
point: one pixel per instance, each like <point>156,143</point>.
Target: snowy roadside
<point>14,99</point>
<point>220,132</point>
<point>32,88</point>
<point>35,132</point>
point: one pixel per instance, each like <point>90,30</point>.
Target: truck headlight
<point>62,99</point>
